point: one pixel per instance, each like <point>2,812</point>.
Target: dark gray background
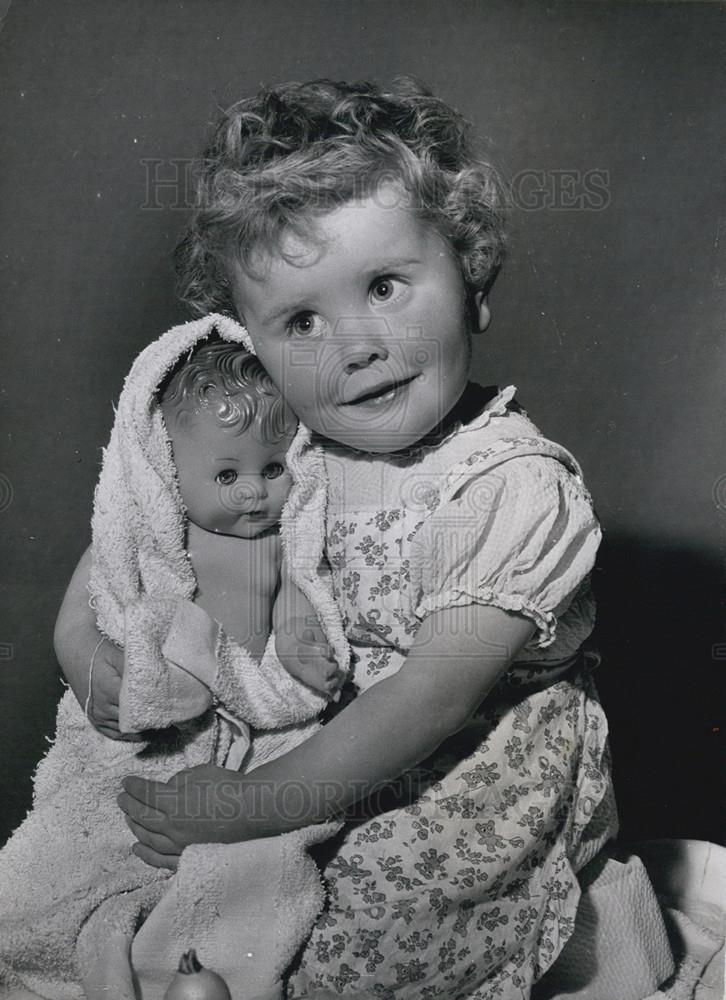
<point>609,321</point>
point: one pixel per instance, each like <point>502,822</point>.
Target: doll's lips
<point>380,392</point>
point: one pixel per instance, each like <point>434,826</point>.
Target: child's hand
<point>305,653</point>
<point>200,805</point>
<point>102,711</point>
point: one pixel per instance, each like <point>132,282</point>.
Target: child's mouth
<point>382,394</point>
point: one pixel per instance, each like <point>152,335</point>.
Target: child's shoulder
<point>487,419</point>
<point>486,406</point>
<point>487,430</point>
<point>497,436</point>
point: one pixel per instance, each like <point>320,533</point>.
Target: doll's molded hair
<point>228,383</point>
<point>278,159</point>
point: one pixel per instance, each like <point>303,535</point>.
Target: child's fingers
<point>104,700</point>
<point>332,674</point>
<point>105,711</point>
<point>109,732</point>
<point>156,841</point>
<point>103,719</point>
<point>316,645</point>
<point>310,652</point>
<point>116,734</point>
<point>113,658</point>
<point>109,727</point>
<point>311,637</point>
<point>333,682</point>
<point>140,813</point>
<point>144,797</point>
<point>316,637</point>
<point>336,682</point>
<point>155,859</point>
<point>107,684</point>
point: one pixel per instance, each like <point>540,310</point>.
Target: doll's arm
<point>300,642</point>
<point>263,694</point>
<point>259,692</point>
<point>77,641</point>
<point>458,655</point>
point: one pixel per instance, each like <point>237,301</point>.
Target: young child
<point>356,235</point>
<point>186,548</point>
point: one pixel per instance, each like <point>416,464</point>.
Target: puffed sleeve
<point>522,537</point>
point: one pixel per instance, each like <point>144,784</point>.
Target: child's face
<point>366,328</point>
<point>231,483</point>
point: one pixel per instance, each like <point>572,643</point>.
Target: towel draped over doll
<point>77,907</point>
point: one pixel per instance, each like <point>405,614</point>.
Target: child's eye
<point>273,470</point>
<point>304,324</point>
<point>384,289</point>
<point>227,477</point>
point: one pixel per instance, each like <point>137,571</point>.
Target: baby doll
<point>230,430</point>
<point>186,577</point>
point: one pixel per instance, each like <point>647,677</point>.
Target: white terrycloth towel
<point>72,895</point>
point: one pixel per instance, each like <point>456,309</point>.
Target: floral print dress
<point>459,881</point>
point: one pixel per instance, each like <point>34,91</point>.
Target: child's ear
<point>481,309</point>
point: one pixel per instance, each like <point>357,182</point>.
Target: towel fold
<point>619,947</point>
<point>77,906</point>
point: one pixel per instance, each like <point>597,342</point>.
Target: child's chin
<point>380,443</point>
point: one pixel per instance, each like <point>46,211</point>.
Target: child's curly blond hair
<point>276,160</point>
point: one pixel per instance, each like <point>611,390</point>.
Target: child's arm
<point>77,641</point>
<point>458,655</point>
<point>300,643</point>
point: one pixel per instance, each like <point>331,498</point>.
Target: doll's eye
<point>273,470</point>
<point>227,477</point>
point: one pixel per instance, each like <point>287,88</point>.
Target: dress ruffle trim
<point>454,597</point>
<point>496,407</point>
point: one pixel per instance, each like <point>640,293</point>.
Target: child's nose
<point>363,358</point>
<point>361,341</point>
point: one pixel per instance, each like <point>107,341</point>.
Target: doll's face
<point>231,483</point>
<point>366,328</point>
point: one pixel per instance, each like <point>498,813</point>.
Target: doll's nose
<point>247,493</point>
